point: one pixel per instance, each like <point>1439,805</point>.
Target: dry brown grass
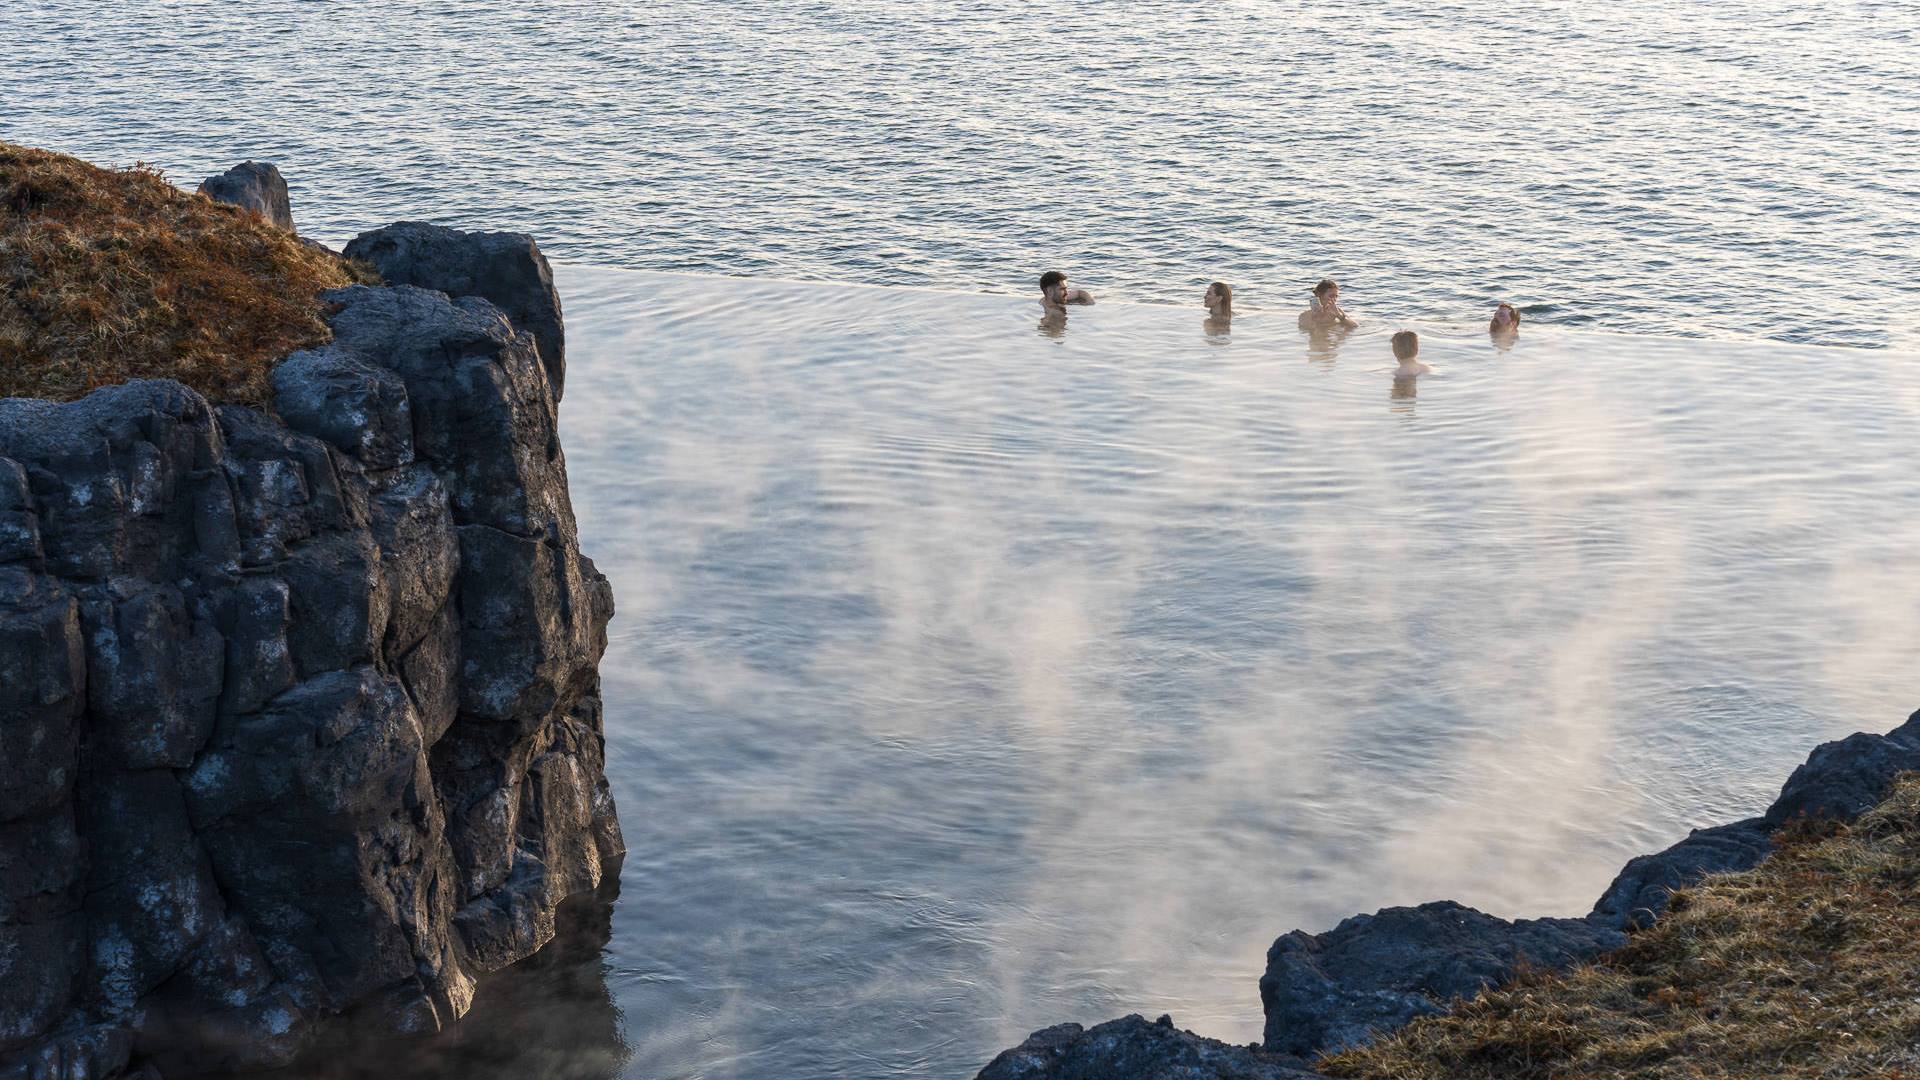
<point>1806,966</point>
<point>108,275</point>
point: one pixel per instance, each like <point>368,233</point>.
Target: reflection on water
<point>967,680</point>
<point>549,1017</point>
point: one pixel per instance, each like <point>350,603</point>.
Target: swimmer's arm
<point>1079,296</point>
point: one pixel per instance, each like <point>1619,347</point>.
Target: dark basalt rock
<point>299,714</point>
<point>1639,894</point>
<point>1374,973</point>
<point>256,186</point>
<point>1131,1047</point>
<point>505,269</point>
<point>1846,778</point>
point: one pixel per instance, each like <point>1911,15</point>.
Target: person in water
<point>1055,294</point>
<point>1326,313</point>
<point>1406,349</point>
<point>1506,320</point>
<point>1219,301</point>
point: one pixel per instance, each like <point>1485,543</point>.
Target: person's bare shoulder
<point>1079,296</point>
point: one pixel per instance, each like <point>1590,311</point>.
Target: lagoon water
<point>971,675</point>
<point>1743,169</point>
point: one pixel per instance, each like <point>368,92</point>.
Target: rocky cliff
<point>299,707</point>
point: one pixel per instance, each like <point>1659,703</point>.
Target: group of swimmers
<point>1323,315</point>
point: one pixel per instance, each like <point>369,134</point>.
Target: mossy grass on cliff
<point>115,274</point>
<point>1806,966</point>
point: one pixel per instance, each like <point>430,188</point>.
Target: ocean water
<point>973,674</point>
<point>1747,169</point>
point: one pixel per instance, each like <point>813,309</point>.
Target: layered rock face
<point>1375,973</point>
<point>299,714</point>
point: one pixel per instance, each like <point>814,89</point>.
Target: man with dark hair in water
<point>1055,295</point>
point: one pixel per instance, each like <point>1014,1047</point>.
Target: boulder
<point>1374,973</point>
<point>505,269</point>
<point>1136,1050</point>
<point>253,185</point>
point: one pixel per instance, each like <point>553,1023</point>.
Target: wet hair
<point>1225,290</point>
<point>1326,285</point>
<point>1406,345</point>
<point>1051,278</point>
<point>1512,312</point>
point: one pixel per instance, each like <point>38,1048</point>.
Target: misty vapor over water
<point>970,679</point>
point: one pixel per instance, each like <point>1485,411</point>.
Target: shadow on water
<point>548,1017</point>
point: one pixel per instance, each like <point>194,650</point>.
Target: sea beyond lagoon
<point>1736,170</point>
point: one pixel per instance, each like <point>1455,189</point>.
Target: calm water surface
<point>1748,168</point>
<point>969,678</point>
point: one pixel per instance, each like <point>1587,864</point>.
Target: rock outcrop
<point>1131,1047</point>
<point>1639,893</point>
<point>256,186</point>
<point>505,269</point>
<point>299,713</point>
<point>1375,973</point>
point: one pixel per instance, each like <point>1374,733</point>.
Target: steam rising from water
<point>968,679</point>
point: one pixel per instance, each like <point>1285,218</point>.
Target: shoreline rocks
<point>1375,973</point>
<point>299,711</point>
<point>1131,1047</point>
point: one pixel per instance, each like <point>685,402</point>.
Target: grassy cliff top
<point>108,275</point>
<point>1805,966</point>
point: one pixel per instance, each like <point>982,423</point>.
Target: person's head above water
<point>1505,317</point>
<point>1406,345</point>
<point>1327,292</point>
<point>1054,291</point>
<point>1219,299</point>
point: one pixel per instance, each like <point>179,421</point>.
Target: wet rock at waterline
<point>1374,973</point>
<point>1131,1047</point>
<point>1639,894</point>
<point>299,714</point>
